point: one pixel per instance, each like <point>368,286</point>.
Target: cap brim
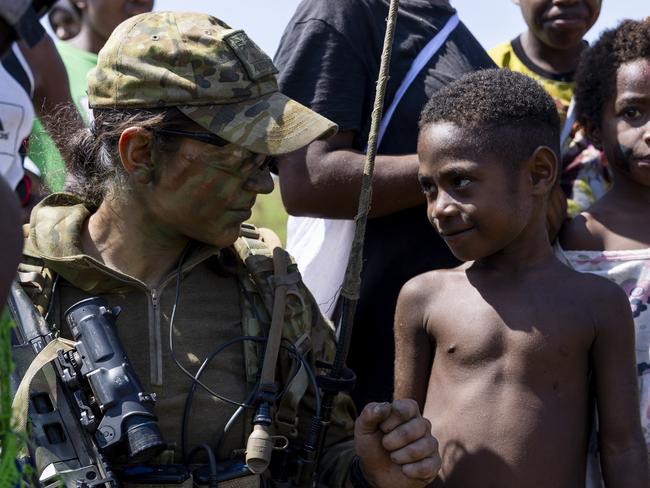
<point>272,124</point>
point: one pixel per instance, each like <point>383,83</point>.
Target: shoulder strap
<point>38,281</point>
<point>257,258</point>
<point>421,60</point>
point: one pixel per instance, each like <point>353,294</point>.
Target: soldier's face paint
<point>205,192</point>
<point>625,125</point>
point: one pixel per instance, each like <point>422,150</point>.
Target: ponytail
<point>91,154</point>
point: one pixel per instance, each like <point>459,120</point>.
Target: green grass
<point>269,212</point>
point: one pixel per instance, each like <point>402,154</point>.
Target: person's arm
<point>413,348</point>
<point>51,85</point>
<point>623,453</point>
<point>329,66</point>
<point>12,238</point>
<point>324,180</point>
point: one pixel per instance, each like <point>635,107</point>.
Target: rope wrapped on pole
<point>339,378</point>
<point>352,281</point>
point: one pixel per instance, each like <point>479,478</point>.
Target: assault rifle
<point>86,406</point>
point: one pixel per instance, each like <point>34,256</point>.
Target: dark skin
<point>504,382</point>
<point>100,17</point>
<point>11,243</point>
<point>324,180</point>
<point>618,220</point>
<point>553,40</point>
<point>64,20</point>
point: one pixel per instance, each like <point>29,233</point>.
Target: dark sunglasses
<point>206,137</point>
<point>215,140</point>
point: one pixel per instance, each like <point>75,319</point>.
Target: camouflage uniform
<point>219,300</point>
<point>221,80</point>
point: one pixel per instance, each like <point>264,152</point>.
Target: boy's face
<point>472,199</point>
<point>625,124</point>
<point>559,24</point>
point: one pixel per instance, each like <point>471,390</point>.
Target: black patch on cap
<point>255,62</point>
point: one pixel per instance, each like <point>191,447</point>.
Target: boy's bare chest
<point>519,333</point>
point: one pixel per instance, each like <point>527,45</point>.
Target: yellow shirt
<point>559,86</point>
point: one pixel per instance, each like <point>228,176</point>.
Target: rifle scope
<point>127,417</point>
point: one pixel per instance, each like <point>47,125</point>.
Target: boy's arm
<point>623,451</point>
<point>413,346</point>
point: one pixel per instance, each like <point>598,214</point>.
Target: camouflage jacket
<point>220,298</point>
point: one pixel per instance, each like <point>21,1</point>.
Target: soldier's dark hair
<point>502,113</point>
<point>91,154</point>
<point>596,74</point>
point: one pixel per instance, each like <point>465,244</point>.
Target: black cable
<point>212,462</point>
<point>195,381</point>
<point>291,348</point>
<point>190,395</point>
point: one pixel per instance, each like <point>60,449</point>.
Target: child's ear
<point>134,147</point>
<point>542,167</point>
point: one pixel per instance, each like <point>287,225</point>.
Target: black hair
<point>596,74</point>
<point>505,113</point>
<point>91,154</point>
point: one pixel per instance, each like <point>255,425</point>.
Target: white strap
<point>418,64</point>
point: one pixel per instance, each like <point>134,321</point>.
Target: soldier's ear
<point>134,147</point>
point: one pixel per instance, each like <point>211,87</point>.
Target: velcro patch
<point>256,63</point>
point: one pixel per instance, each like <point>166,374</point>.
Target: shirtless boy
<point>500,351</point>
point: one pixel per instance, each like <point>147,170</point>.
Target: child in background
<point>96,20</point>
<point>549,52</point>
<point>501,362</point>
<point>612,239</point>
<point>550,49</point>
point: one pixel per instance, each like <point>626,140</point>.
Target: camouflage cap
<point>215,75</point>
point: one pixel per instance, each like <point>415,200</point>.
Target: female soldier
<point>187,112</point>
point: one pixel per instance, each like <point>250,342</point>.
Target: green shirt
<point>41,147</point>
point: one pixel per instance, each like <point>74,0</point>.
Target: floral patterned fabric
<point>631,271</point>
<point>586,176</point>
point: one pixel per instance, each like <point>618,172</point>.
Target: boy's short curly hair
<point>505,113</point>
<point>596,74</point>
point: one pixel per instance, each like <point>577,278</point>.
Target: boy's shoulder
<point>437,278</point>
<point>425,289</point>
